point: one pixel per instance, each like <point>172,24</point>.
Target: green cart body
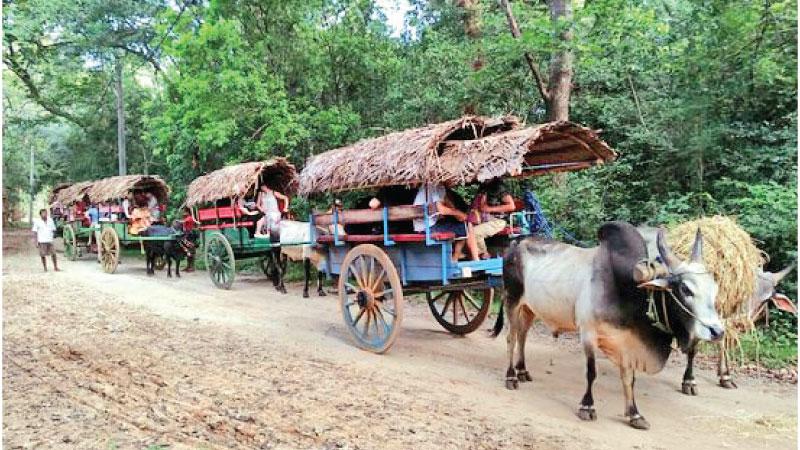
<point>110,236</point>
<point>226,234</point>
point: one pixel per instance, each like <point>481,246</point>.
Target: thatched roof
<point>114,188</point>
<point>404,157</point>
<point>549,147</point>
<point>55,190</point>
<point>462,151</point>
<point>277,173</point>
<point>71,194</point>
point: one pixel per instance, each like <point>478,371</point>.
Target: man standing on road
<point>43,230</point>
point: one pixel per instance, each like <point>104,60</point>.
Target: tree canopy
<point>699,98</point>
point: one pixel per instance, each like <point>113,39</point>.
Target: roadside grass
<point>775,346</point>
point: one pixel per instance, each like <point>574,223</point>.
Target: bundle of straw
<point>732,257</point>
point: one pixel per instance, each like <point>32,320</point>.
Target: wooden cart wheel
<point>220,262</point>
<point>70,242</point>
<point>159,263</point>
<point>371,298</point>
<point>109,249</point>
<point>460,312</point>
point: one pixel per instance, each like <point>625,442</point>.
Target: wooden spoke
<point>378,280</point>
<point>366,326</point>
<point>471,301</point>
<point>358,317</point>
<point>383,293</point>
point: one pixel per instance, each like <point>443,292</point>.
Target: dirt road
<point>125,361</point>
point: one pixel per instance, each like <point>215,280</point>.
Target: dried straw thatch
<point>404,157</point>
<point>550,147</point>
<point>55,190</point>
<point>277,173</point>
<point>72,193</point>
<point>114,188</point>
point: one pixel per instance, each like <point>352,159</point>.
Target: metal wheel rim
<point>109,250</point>
<point>371,298</point>
<point>460,312</point>
<point>220,261</point>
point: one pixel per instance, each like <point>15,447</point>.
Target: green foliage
<point>774,346</point>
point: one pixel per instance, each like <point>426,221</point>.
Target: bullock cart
<point>376,271</point>
<point>227,234</point>
<point>75,232</point>
<point>112,232</point>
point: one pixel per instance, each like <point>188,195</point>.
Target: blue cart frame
<point>376,271</point>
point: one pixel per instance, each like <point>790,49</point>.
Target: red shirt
<point>188,222</point>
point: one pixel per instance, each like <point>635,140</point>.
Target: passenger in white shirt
<point>43,231</point>
<point>443,217</point>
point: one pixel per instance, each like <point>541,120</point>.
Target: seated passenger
<point>152,205</point>
<point>444,217</point>
<point>267,203</point>
<point>126,206</point>
<point>140,220</point>
<point>492,203</point>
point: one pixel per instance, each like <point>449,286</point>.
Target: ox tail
<point>498,324</point>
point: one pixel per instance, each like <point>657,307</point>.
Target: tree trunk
<point>560,83</point>
<point>537,76</point>
<point>472,28</point>
<point>123,163</point>
<point>30,206</point>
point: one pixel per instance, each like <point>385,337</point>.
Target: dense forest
<point>698,97</point>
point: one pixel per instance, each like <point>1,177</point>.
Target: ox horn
<point>778,276</point>
<point>667,256</point>
<point>697,248</point>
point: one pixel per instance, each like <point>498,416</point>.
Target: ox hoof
<point>512,383</point>
<point>689,387</point>
<point>639,422</point>
<point>322,293</point>
<point>305,294</point>
<point>282,290</point>
<point>524,376</point>
<point>587,413</point>
<point>727,383</point>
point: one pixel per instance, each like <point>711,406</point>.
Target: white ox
<point>295,240</point>
<point>595,292</point>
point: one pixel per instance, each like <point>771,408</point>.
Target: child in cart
<point>267,203</point>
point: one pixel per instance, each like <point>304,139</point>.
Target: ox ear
<point>656,284</point>
<point>777,277</point>
<point>665,252</point>
<point>784,303</point>
<point>697,248</point>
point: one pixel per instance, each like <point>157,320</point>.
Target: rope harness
<point>652,310</point>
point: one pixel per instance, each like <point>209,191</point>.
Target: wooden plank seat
<point>360,216</point>
<point>228,214</point>
<point>405,237</point>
